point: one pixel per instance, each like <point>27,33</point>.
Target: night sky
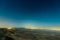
<point>34,12</point>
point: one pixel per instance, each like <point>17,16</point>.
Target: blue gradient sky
<point>35,12</point>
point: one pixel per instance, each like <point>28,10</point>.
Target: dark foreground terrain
<point>27,34</point>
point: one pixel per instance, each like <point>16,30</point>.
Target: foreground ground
<point>27,34</point>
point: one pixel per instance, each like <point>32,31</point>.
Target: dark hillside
<point>28,34</point>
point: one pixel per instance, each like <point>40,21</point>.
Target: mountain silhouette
<point>28,34</point>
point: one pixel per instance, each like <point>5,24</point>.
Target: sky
<point>20,13</point>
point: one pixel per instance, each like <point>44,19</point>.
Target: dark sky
<point>39,11</point>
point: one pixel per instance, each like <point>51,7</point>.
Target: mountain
<point>28,34</point>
